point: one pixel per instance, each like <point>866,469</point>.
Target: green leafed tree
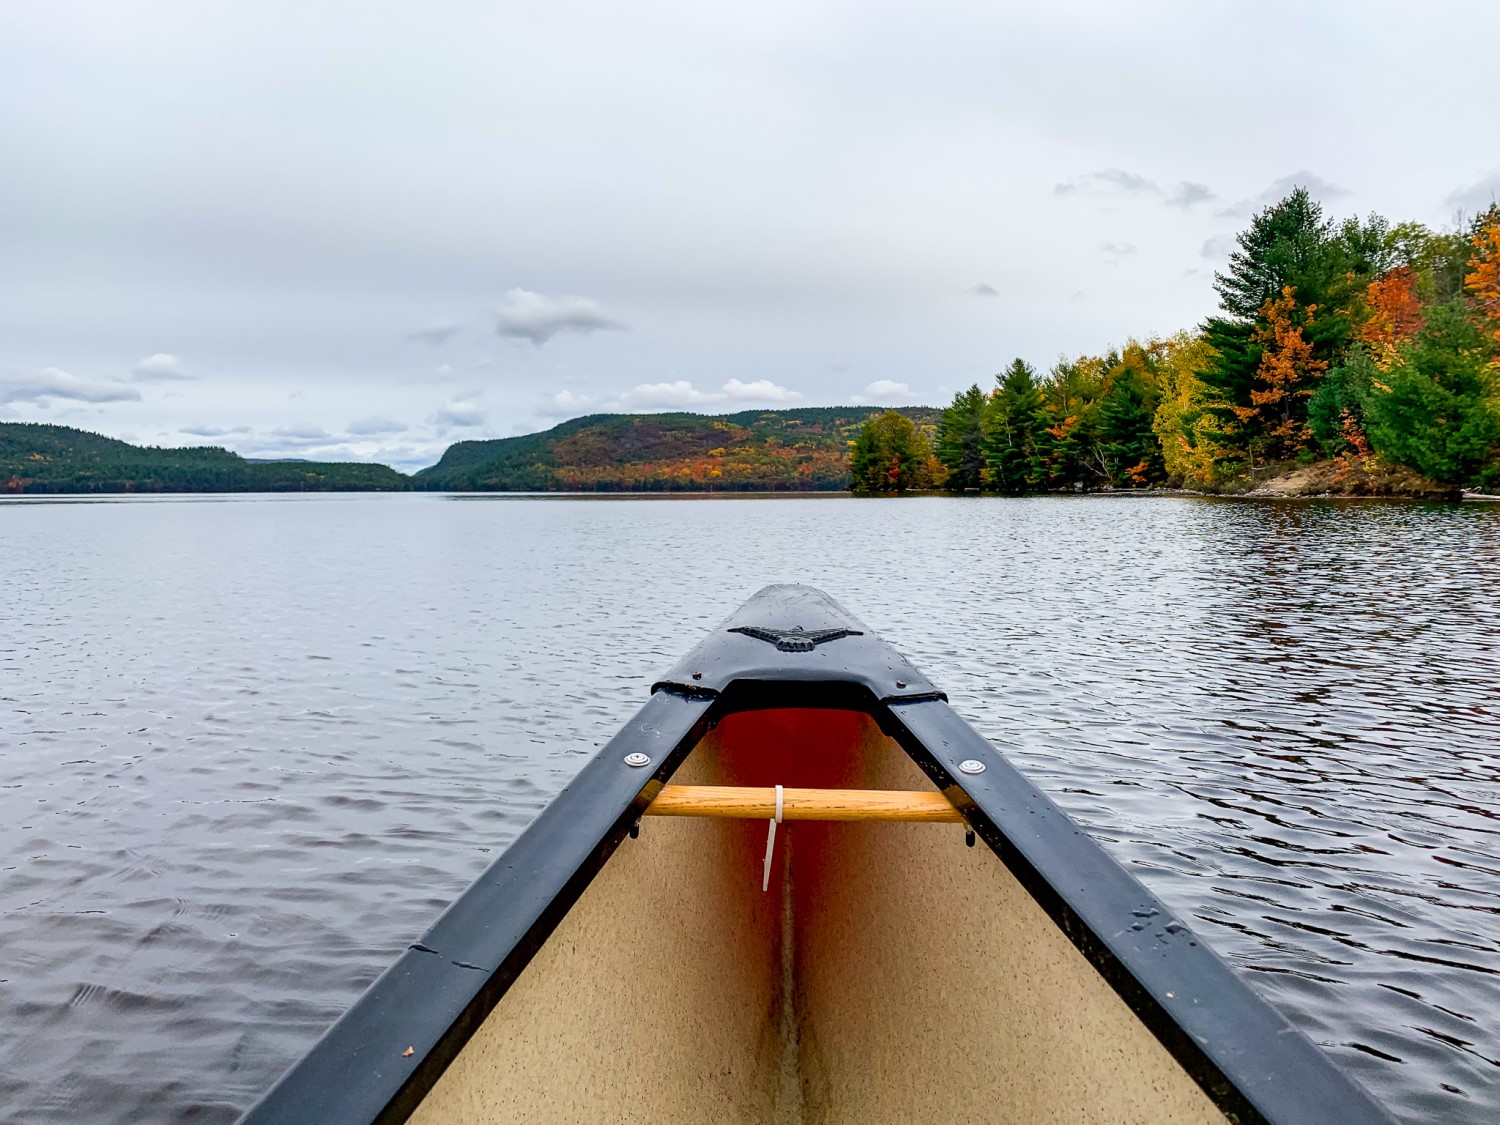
<point>890,455</point>
<point>960,439</point>
<point>1183,425</point>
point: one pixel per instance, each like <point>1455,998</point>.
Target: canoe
<point>923,936</point>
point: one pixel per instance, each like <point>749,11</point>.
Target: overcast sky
<point>366,230</point>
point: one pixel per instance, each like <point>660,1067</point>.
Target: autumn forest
<point>1367,351</point>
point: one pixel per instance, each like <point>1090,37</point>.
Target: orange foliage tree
<point>1484,280</point>
<point>1394,314</point>
<point>1277,413</point>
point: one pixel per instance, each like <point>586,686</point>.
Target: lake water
<point>250,747</point>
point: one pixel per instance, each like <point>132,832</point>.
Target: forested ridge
<point>39,458</point>
<point>1365,351</point>
<point>754,450</point>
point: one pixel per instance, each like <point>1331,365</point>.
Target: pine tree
<point>1286,244</point>
<point>1336,410</point>
<point>960,439</point>
<point>1289,245</point>
<point>1068,438</point>
<point>1129,452</point>
<point>1015,419</point>
<point>1434,410</point>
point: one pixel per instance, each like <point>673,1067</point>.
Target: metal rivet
<point>900,683</point>
<point>697,675</point>
<point>969,765</point>
<point>638,759</point>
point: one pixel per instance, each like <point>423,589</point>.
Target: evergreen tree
<point>890,455</point>
<point>1288,246</point>
<point>1068,434</point>
<point>1129,452</point>
<point>1015,419</point>
<point>1435,410</point>
<point>960,439</point>
<point>1336,409</point>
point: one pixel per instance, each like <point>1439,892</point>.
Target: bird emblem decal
<point>796,639</point>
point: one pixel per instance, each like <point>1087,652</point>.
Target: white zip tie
<point>765,878</point>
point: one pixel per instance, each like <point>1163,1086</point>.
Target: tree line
<point>1359,343</point>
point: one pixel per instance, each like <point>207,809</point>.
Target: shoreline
<point>1455,497</point>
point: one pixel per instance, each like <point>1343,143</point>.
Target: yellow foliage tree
<point>1182,425</point>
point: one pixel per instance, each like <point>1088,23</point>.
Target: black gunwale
<point>1247,1058</point>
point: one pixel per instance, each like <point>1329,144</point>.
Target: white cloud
<point>160,368</point>
<point>1188,194</point>
<point>436,333</point>
<point>1118,249</point>
<point>677,394</point>
<point>370,427</point>
<point>1184,194</point>
<point>1319,188</point>
<point>883,392</point>
<point>762,390</point>
<point>983,289</point>
<point>566,404</point>
<point>213,431</point>
<point>54,383</point>
<point>1317,185</point>
<point>537,317</point>
<point>296,436</point>
<point>460,412</point>
<point>1216,248</point>
<point>1477,196</point>
<point>1109,180</point>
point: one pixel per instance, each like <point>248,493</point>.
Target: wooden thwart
<point>747,803</point>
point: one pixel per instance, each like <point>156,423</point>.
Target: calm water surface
<point>250,747</point>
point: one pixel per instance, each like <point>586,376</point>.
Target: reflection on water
<point>251,747</point>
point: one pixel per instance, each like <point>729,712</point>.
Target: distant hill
<point>40,458</point>
<point>754,450</point>
<point>803,450</point>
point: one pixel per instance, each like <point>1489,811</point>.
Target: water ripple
<point>253,746</point>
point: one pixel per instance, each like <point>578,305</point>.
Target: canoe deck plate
<point>796,639</point>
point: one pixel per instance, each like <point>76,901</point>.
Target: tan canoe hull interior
<point>616,966</point>
<point>889,974</point>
